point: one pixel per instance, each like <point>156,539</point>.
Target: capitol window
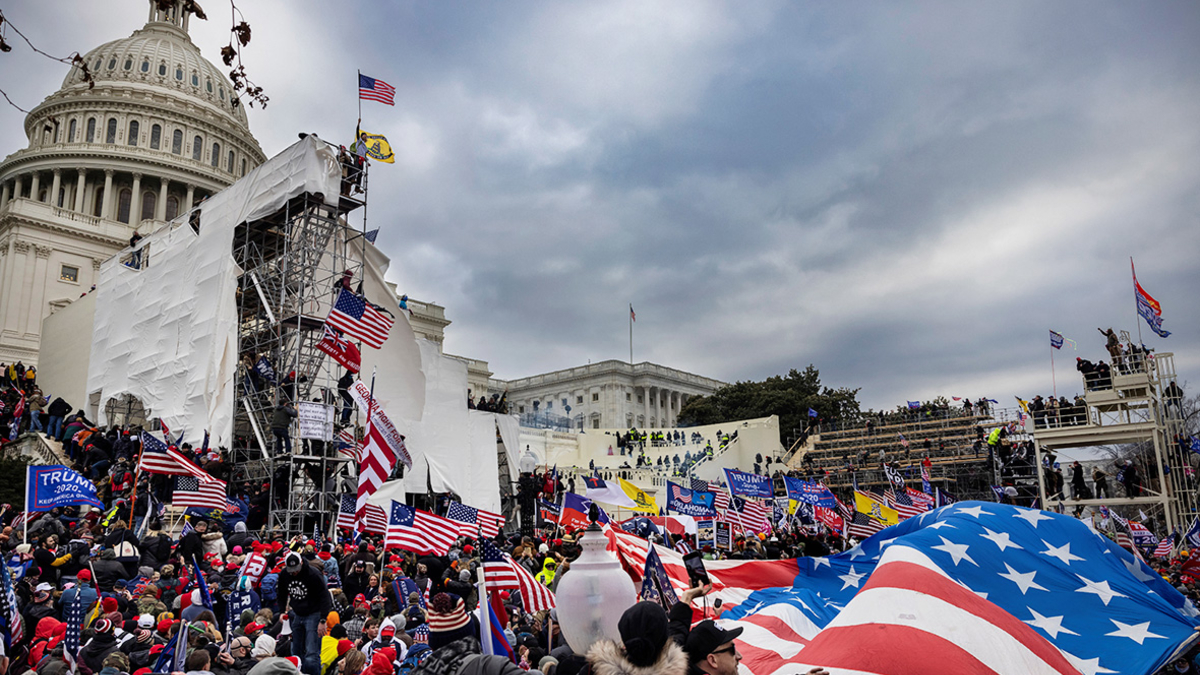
<point>177,142</point>
<point>578,400</point>
<point>145,65</point>
<point>128,63</point>
<point>172,207</point>
<point>69,273</point>
<point>230,161</point>
<point>133,132</point>
<point>155,136</point>
<point>197,149</point>
<point>111,135</point>
<point>149,203</point>
<point>595,397</point>
<point>91,130</point>
<point>71,132</point>
<point>179,73</point>
<point>208,85</point>
<point>124,202</point>
<point>221,93</point>
<point>195,80</point>
<point>162,70</point>
<point>112,63</point>
<point>99,60</point>
<point>243,166</point>
<point>216,155</point>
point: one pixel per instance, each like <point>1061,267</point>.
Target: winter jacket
<point>607,658</point>
<point>59,407</point>
<point>97,649</point>
<point>214,542</point>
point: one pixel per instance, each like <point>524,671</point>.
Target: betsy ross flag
<point>342,350</point>
<point>356,317</point>
<point>415,530</point>
<point>501,572</point>
<point>191,491</point>
<point>473,520</point>
<point>372,89</point>
<point>158,457</point>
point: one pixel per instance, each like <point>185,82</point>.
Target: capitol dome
<point>158,130</point>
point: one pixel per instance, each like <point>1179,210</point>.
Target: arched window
<point>216,155</point>
<point>162,70</point>
<point>221,93</point>
<point>71,132</point>
<point>112,63</point>
<point>133,133</point>
<point>91,130</point>
<point>208,85</point>
<point>149,204</point>
<point>99,201</point>
<point>179,73</point>
<point>128,63</point>
<point>230,161</point>
<point>44,196</point>
<point>197,148</point>
<point>177,142</point>
<point>172,207</point>
<point>111,135</point>
<point>99,60</point>
<point>195,80</point>
<point>124,201</point>
<point>243,166</point>
<point>155,136</point>
<point>62,196</point>
<point>145,65</point>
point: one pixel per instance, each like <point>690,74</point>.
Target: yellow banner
<point>641,500</point>
<point>376,147</point>
<point>873,509</point>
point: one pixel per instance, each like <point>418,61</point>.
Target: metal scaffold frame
<point>292,262</point>
<point>1133,410</point>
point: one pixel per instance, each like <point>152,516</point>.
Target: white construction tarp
<point>167,333</point>
<point>510,433</point>
<point>399,380</point>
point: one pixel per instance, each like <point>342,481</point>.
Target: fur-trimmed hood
<point>607,658</point>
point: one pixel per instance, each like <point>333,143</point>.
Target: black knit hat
<point>643,630</point>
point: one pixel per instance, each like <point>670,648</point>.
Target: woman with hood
<point>646,646</point>
<point>546,576</point>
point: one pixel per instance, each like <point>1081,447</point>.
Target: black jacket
<point>59,408</point>
<point>306,590</point>
<point>96,650</point>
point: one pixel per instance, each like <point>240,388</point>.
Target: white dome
<point>162,55</point>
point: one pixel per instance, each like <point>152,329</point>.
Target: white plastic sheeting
<point>168,333</point>
<point>399,380</point>
<point>510,433</point>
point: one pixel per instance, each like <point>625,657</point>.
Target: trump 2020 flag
<point>750,485</point>
<point>53,485</point>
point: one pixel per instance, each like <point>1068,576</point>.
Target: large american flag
<point>191,491</point>
<point>500,571</point>
<point>372,89</point>
<point>415,530</point>
<point>356,317</point>
<point>73,616</point>
<point>473,520</point>
<point>157,457</point>
<point>376,459</point>
<point>1100,609</point>
<point>752,514</point>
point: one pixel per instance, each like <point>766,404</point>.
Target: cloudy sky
<point>906,195</point>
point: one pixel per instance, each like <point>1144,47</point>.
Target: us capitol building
<point>161,130</point>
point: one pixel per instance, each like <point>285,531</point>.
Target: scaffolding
<point>1133,408</point>
<point>292,265</point>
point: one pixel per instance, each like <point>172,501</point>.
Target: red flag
<point>19,409</point>
<point>342,350</point>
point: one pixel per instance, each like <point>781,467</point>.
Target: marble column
<point>187,203</point>
<point>34,185</point>
<point>37,291</point>
<point>79,190</point>
<point>135,202</point>
<point>55,186</point>
<point>160,210</point>
<point>645,408</point>
<point>18,278</point>
<point>17,185</point>
<point>106,200</point>
<point>4,194</point>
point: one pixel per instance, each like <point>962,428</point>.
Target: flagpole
<point>133,497</point>
<point>1053,380</point>
<point>28,470</point>
<point>631,335</point>
<point>485,620</point>
<point>1137,321</point>
<point>359,99</point>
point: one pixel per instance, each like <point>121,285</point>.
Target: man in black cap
<point>303,588</point>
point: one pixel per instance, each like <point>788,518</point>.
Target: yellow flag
<point>374,146</point>
<point>641,500</point>
<point>873,509</point>
<point>1024,404</point>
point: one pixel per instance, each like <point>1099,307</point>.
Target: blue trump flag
<point>656,585</point>
<point>809,492</point>
<point>54,485</point>
<point>750,485</point>
<point>690,502</point>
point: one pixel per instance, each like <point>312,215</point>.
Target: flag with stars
<point>1044,590</point>
<point>73,616</point>
<point>421,635</point>
<point>656,585</point>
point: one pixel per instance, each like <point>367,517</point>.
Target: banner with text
<point>751,485</point>
<point>51,486</point>
<point>361,393</point>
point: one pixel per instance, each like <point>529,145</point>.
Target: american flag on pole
<point>348,445</point>
<point>1165,547</point>
<point>372,89</point>
<point>500,572</point>
<point>375,521</point>
<point>903,504</point>
<point>473,520</point>
<point>157,457</point>
<point>10,613</point>
<point>415,530</point>
<point>752,514</point>
<point>356,317</point>
<point>191,491</point>
<point>682,495</point>
<point>73,617</point>
<point>721,497</point>
<point>376,460</point>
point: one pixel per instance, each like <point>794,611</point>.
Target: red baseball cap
<point>84,575</point>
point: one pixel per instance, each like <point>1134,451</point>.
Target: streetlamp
<point>594,593</point>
